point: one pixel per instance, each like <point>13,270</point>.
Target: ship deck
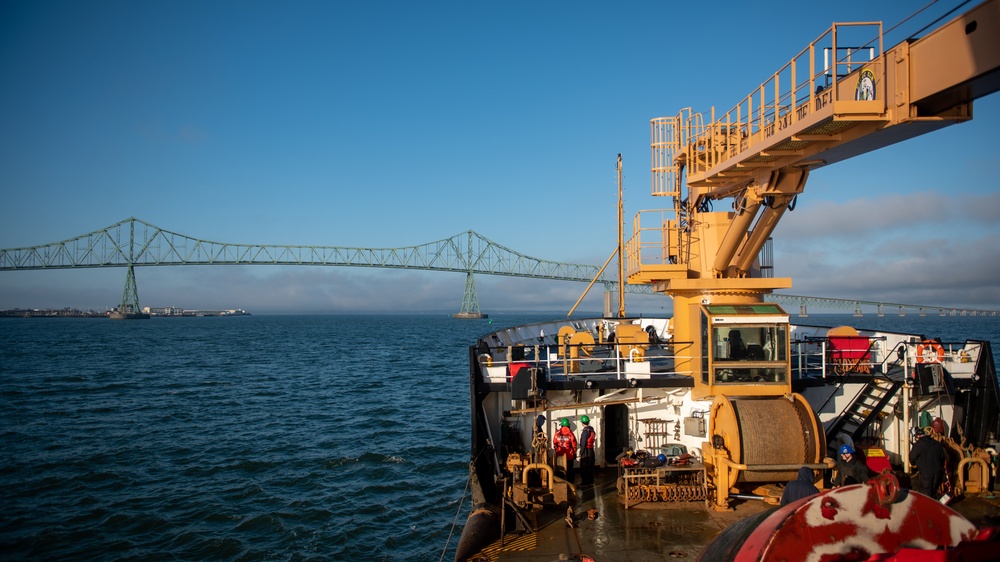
<point>653,530</point>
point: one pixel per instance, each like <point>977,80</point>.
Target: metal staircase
<point>863,411</point>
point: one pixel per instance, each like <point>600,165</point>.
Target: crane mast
<point>838,98</point>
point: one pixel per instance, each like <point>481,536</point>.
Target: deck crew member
<point>850,469</point>
<point>587,438</point>
<point>801,487</point>
<point>928,456</point>
<point>564,443</point>
<point>539,441</point>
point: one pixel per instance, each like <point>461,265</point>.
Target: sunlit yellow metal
<point>563,339</point>
<point>632,341</point>
<point>580,344</point>
<point>973,475</point>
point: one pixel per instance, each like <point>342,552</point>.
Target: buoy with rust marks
<point>837,521</point>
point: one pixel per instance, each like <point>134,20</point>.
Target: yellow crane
<point>834,100</point>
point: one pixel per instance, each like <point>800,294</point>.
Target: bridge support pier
<point>129,307</point>
<point>470,302</point>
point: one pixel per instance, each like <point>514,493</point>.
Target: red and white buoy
<point>875,521</point>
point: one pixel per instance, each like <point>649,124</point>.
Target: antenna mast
<point>621,244</point>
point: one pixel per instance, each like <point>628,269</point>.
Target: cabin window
<point>755,353</point>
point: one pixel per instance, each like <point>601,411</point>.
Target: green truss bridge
<point>133,242</point>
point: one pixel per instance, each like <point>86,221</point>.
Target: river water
<point>252,438</point>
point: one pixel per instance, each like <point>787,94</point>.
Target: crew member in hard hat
<point>850,469</point>
<point>587,458</point>
<point>564,443</point>
<point>927,454</point>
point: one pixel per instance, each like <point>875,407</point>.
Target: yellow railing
<point>807,83</point>
<point>648,243</point>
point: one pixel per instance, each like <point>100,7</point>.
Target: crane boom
<point>809,115</point>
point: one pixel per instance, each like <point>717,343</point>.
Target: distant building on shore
<point>52,313</point>
<point>175,311</point>
<point>67,312</point>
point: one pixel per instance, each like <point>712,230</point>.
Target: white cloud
<point>926,248</point>
<point>878,216</point>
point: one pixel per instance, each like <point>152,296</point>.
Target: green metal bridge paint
<point>133,242</point>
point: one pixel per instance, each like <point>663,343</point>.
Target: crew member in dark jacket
<point>927,454</point>
<point>587,438</point>
<point>850,469</point>
<point>801,487</point>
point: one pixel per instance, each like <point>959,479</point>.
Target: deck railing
<point>811,356</point>
<point>625,366</point>
<point>804,85</point>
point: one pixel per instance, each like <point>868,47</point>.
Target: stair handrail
<point>881,373</point>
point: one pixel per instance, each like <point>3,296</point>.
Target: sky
<point>392,124</point>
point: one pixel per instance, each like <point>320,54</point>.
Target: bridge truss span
<point>139,243</point>
<point>132,242</point>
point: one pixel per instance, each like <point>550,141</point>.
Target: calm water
<point>251,438</point>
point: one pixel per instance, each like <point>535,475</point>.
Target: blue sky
<point>390,124</point>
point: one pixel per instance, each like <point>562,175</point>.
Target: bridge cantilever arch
<point>132,243</point>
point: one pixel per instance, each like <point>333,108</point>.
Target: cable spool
<point>768,430</point>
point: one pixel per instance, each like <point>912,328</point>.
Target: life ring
<point>930,352</point>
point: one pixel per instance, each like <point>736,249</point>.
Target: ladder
<point>863,411</point>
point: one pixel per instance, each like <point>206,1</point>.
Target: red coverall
<point>565,445</point>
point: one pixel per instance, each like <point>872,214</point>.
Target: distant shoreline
<point>51,313</point>
<point>76,313</point>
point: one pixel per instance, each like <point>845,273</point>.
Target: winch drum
<point>768,430</point>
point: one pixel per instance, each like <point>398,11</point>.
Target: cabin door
<point>615,431</point>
